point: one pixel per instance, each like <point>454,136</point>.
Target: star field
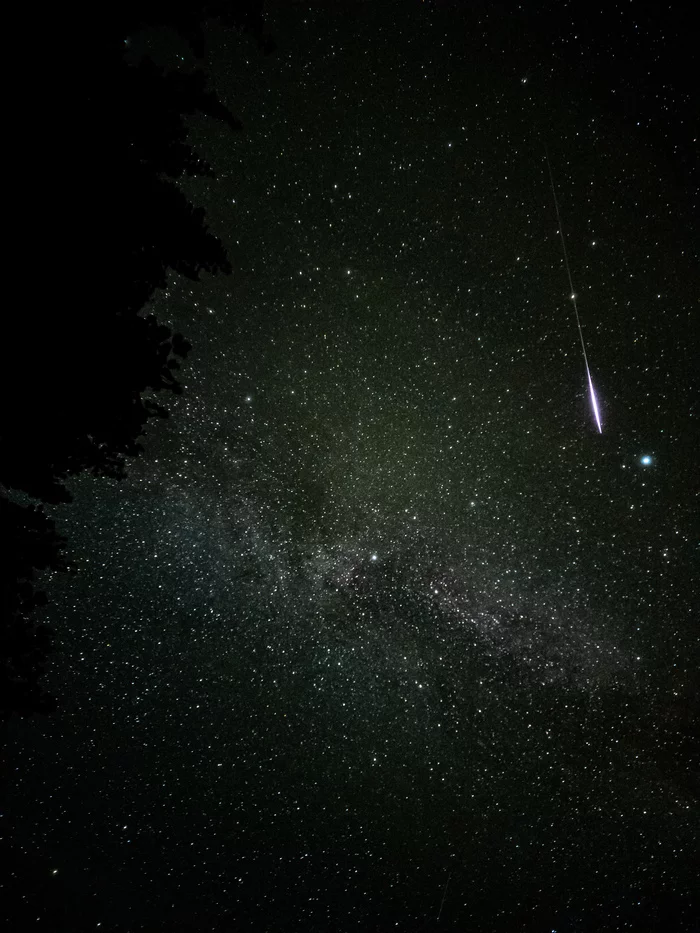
<point>378,605</point>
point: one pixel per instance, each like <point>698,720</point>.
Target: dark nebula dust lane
<point>381,632</point>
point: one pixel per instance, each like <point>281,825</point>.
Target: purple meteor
<point>594,400</point>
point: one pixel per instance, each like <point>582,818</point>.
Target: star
<point>516,653</point>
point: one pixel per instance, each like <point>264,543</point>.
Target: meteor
<point>591,390</point>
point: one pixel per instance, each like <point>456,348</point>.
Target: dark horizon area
<point>332,599</point>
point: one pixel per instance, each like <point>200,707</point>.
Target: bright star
<point>646,460</point>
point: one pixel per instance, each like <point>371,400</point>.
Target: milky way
<point>374,610</point>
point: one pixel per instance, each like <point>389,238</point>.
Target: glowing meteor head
<point>594,404</point>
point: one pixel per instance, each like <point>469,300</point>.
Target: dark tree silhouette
<point>85,360</point>
<point>24,645</point>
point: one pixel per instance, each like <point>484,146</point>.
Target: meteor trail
<point>594,400</point>
<point>444,895</point>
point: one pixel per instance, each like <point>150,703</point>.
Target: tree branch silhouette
<point>87,360</point>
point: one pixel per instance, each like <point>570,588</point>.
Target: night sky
<point>380,633</point>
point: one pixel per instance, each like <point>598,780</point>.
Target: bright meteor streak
<point>594,400</point>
